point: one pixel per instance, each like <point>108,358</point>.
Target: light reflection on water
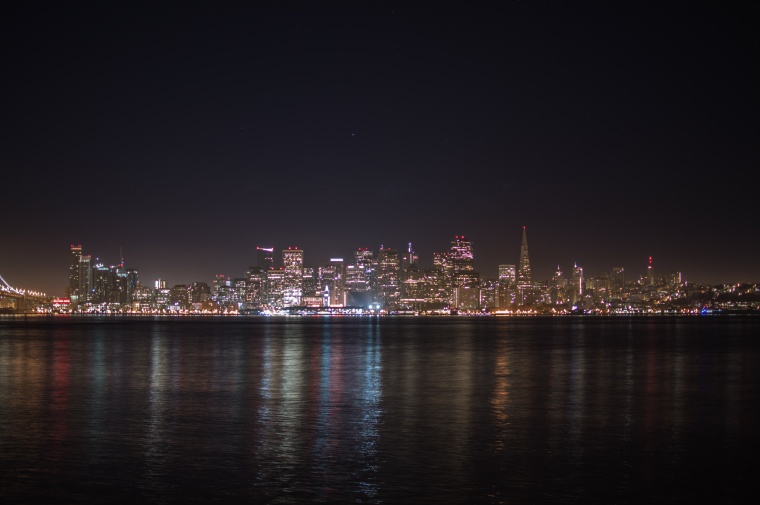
<point>371,411</point>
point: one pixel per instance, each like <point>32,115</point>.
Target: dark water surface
<point>392,410</point>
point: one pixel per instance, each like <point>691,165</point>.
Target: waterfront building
<point>292,264</point>
<point>121,289</point>
<point>523,271</point>
<point>254,287</point>
<point>275,288</point>
<point>132,281</point>
<point>143,297</point>
<point>199,292</point>
<point>179,297</point>
<point>557,292</point>
<point>466,297</point>
<point>524,288</point>
<point>489,293</point>
<point>75,255</point>
<point>364,259</point>
<point>103,284</point>
<point>507,285</point>
<point>412,288</point>
<point>310,282</point>
<point>85,278</point>
<point>388,267</point>
<point>163,297</point>
<point>576,284</point>
<point>331,282</point>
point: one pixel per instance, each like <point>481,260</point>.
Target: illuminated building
<point>388,267</point>
<point>440,261</point>
<point>179,297</point>
<point>356,280</point>
<point>163,297</point>
<point>292,264</point>
<point>121,292</point>
<point>598,287</point>
<point>73,289</point>
<point>435,294</point>
<point>143,297</point>
<point>254,288</point>
<point>523,272</point>
<point>460,273</point>
<point>507,284</point>
<point>525,292</point>
<point>673,279</point>
<point>221,285</point>
<point>489,293</point>
<point>362,277</point>
<point>617,281</point>
<point>460,255</point>
<point>265,258</point>
<point>85,278</point>
<point>412,294</point>
<point>103,284</point>
<point>132,282</point>
<point>229,294</point>
<point>557,294</point>
<point>410,259</point>
<point>413,288</point>
<point>199,292</point>
<point>331,277</point>
<point>310,282</point>
<point>576,284</point>
<point>275,288</point>
<point>466,297</point>
<point>650,273</point>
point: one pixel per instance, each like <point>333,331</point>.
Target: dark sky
<point>189,134</point>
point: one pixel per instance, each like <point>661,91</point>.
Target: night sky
<point>187,135</point>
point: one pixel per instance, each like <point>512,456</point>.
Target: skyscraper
<point>577,284</point>
<point>461,255</point>
<point>254,294</point>
<point>265,258</point>
<point>410,259</point>
<point>506,285</point>
<point>388,266</point>
<point>85,277</point>
<point>292,263</point>
<point>75,256</point>
<point>523,271</point>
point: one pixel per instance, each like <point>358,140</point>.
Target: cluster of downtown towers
<point>388,280</point>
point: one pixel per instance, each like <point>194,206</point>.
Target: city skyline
<point>149,272</point>
<point>389,282</point>
<point>272,257</point>
<point>187,136</point>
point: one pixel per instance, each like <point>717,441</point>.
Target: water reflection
<point>358,410</point>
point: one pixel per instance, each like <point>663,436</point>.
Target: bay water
<point>378,410</point>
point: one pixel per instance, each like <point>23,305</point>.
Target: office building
<point>292,264</point>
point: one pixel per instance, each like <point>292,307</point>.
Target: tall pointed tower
<point>523,271</point>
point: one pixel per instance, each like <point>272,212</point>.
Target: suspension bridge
<point>19,301</point>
